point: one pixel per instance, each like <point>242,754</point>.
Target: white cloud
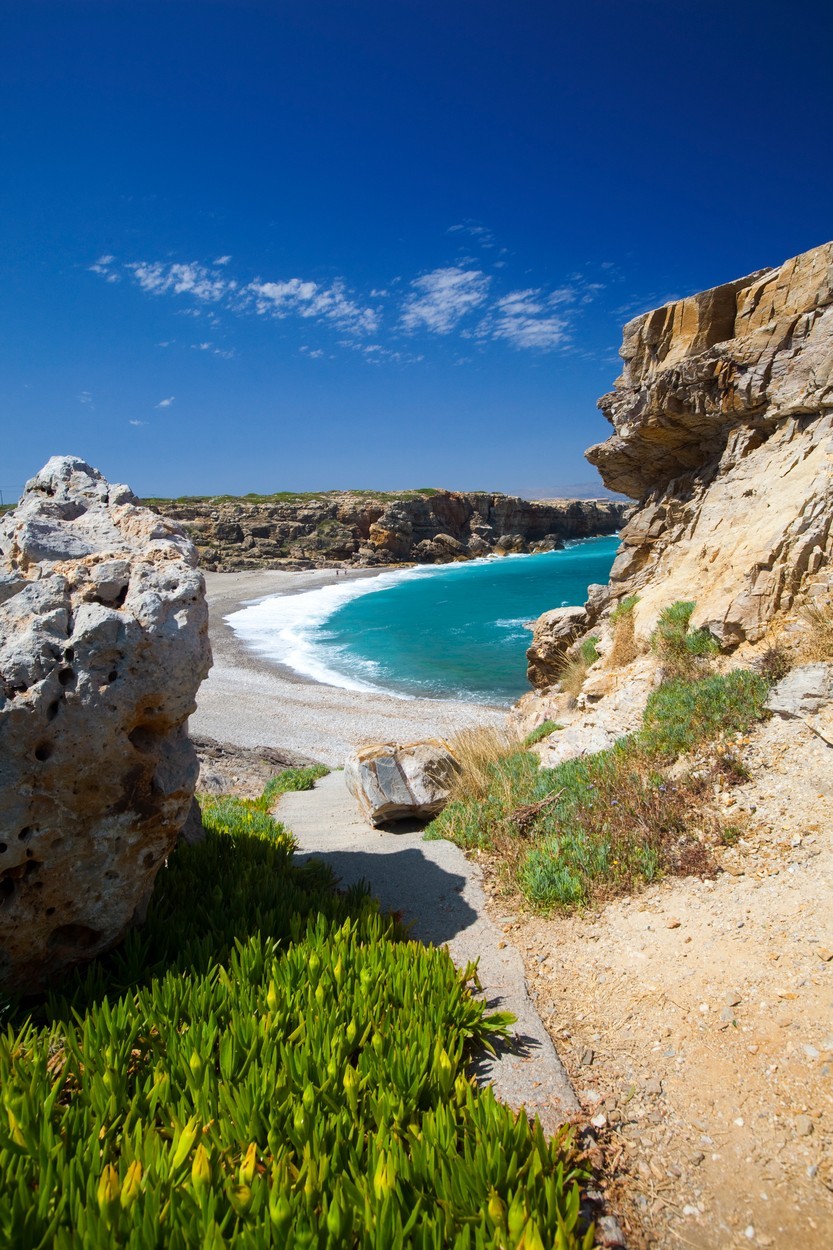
<point>202,347</point>
<point>301,298</point>
<point>132,422</point>
<point>194,279</point>
<point>166,403</point>
<point>441,298</point>
<point>313,354</point>
<point>222,260</point>
<point>102,267</point>
<point>525,319</point>
<point>85,397</point>
<point>476,230</point>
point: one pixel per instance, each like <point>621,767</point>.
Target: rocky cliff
<point>425,527</point>
<point>723,420</point>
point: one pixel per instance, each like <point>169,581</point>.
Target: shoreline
<point>250,701</point>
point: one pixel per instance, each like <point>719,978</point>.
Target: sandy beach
<point>249,701</point>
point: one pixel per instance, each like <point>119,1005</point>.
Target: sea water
<point>436,631</point>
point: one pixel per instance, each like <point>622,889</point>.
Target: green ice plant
<point>268,1063</point>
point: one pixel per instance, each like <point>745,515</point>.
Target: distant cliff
<point>363,528</point>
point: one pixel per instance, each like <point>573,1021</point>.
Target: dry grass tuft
<point>817,634</point>
<point>623,648</point>
<point>573,671</point>
<point>477,750</point>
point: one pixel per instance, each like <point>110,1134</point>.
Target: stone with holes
<point>103,644</point>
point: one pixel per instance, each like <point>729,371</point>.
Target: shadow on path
<point>427,898</point>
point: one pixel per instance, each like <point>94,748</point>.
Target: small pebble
<point>803,1125</point>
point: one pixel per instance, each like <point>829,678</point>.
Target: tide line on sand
<point>251,701</point>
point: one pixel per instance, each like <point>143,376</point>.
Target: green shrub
<point>541,731</point>
<point>267,1063</point>
<point>291,780</point>
<point>677,645</point>
<point>682,714</point>
<point>605,823</point>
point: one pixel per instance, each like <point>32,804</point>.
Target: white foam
<point>287,630</point>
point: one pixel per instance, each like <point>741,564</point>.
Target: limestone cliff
<point>723,420</point>
<point>425,527</point>
<point>724,431</point>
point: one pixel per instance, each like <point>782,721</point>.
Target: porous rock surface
<point>393,781</point>
<point>723,420</point>
<point>103,644</point>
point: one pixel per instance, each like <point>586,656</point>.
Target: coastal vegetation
<point>291,497</point>
<point>606,823</point>
<point>268,1062</point>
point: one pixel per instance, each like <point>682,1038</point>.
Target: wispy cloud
<point>134,422</point>
<point>102,267</point>
<point>475,230</point>
<point>526,319</point>
<point>166,403</point>
<point>468,297</point>
<point>85,397</point>
<point>193,279</point>
<point>441,298</point>
<point>296,297</point>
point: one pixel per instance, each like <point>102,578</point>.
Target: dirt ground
<point>696,1020</point>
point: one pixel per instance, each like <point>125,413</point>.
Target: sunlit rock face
<point>723,420</point>
<point>103,645</point>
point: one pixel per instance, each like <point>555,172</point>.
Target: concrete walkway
<point>438,893</point>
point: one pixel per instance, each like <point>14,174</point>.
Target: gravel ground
<point>249,702</point>
<point>696,1021</point>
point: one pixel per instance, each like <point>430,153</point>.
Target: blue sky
<point>300,245</point>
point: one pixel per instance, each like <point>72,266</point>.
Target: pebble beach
<point>249,701</point>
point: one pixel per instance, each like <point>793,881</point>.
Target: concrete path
<point>438,893</point>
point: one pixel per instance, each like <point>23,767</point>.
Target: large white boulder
<point>103,645</point>
<point>392,781</point>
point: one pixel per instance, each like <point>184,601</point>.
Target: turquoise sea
<point>437,631</point>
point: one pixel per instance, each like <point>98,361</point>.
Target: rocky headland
<point>365,529</point>
<point>723,420</point>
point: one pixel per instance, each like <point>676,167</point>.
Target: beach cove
<point>249,701</point>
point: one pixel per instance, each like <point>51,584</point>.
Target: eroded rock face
<point>723,421</point>
<point>346,527</point>
<point>393,781</point>
<point>103,644</point>
<point>552,634</point>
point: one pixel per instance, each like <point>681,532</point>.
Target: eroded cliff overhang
<point>751,353</point>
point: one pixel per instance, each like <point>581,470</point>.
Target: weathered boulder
<point>103,644</point>
<point>552,635</point>
<point>393,781</point>
<point>723,421</point>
